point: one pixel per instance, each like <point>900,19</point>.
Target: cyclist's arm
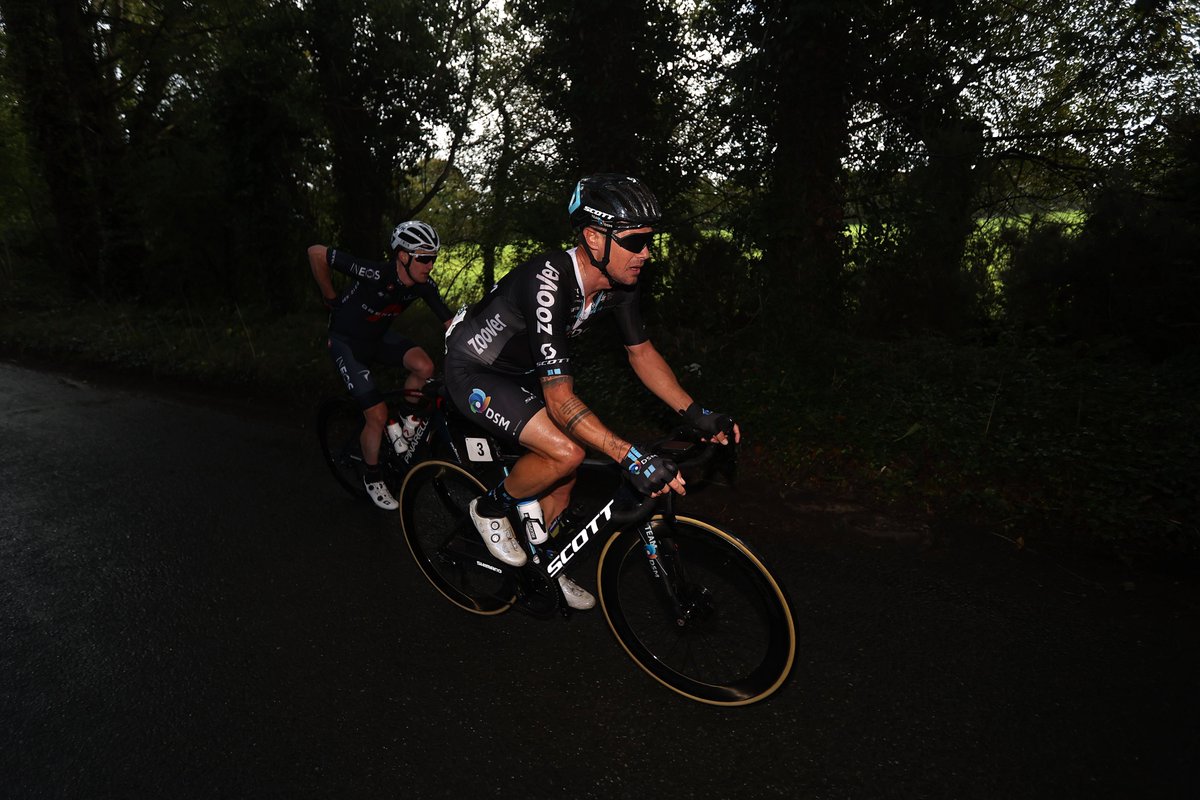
<point>578,421</point>
<point>318,262</point>
<point>656,375</point>
<point>648,364</point>
<point>433,299</point>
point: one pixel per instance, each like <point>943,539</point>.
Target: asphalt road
<point>191,608</point>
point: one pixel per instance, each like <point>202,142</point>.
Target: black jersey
<point>375,297</point>
<point>524,323</point>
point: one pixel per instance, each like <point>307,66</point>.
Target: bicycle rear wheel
<point>439,532</point>
<point>734,642</point>
<point>339,423</point>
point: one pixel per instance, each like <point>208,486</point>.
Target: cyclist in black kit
<point>359,335</point>
<point>508,366</point>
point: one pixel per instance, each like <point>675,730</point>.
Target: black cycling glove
<point>648,474</point>
<point>707,421</point>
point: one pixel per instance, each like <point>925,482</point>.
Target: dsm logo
<point>478,401</point>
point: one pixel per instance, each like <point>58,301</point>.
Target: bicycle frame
<point>607,522</point>
<point>581,539</point>
<point>435,423</point>
<point>691,604</point>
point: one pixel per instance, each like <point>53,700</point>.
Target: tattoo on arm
<point>574,411</point>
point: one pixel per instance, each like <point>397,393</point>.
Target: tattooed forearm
<point>614,444</point>
<point>575,419</point>
<point>573,412</point>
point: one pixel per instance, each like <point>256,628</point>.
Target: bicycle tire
<point>339,423</point>
<point>739,645</point>
<point>444,543</point>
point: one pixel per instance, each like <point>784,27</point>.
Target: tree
<point>787,75</point>
<point>383,89</point>
<point>512,152</point>
<point>980,107</point>
<point>21,196</point>
<point>603,72</point>
<point>60,60</point>
<point>601,68</point>
<point>807,50</point>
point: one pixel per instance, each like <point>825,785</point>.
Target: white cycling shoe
<point>497,534</point>
<point>578,597</point>
<point>380,496</point>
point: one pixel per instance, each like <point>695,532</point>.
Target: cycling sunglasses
<point>427,258</point>
<point>633,242</point>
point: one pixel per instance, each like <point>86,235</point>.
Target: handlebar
<point>691,453</point>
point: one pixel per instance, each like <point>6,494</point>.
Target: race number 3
<point>478,449</point>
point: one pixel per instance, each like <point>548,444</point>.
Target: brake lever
<point>691,453</point>
<point>696,456</point>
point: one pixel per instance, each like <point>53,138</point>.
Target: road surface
<point>191,608</point>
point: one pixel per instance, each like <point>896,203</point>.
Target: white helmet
<point>415,235</point>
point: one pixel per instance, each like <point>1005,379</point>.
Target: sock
<point>496,503</point>
<point>371,472</point>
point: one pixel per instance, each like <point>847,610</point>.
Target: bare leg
<point>374,419</point>
<point>420,369</point>
<point>557,499</point>
<point>552,460</point>
<point>546,471</point>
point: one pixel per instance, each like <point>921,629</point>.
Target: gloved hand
<point>709,422</point>
<point>648,474</point>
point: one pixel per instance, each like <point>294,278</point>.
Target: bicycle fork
<point>658,552</point>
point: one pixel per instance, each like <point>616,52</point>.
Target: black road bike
<point>340,423</point>
<point>691,604</point>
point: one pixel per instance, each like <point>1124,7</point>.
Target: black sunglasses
<point>425,259</point>
<point>633,242</point>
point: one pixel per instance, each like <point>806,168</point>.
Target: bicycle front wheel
<point>705,617</point>
<point>439,532</point>
<point>339,425</point>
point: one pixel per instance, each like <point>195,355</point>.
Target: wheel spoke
<point>433,503</point>
<point>446,498</point>
<point>339,424</point>
<point>736,642</point>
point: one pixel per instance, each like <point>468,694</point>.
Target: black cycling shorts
<point>500,404</point>
<point>353,358</point>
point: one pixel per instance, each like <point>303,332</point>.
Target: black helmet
<point>613,202</point>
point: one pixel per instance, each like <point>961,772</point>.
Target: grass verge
<point>1084,444</point>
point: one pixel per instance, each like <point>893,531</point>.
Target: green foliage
<point>1078,444</point>
<point>1131,270</point>
<point>1083,443</point>
<point>995,109</point>
<point>22,198</point>
<point>707,272</point>
<point>183,155</point>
